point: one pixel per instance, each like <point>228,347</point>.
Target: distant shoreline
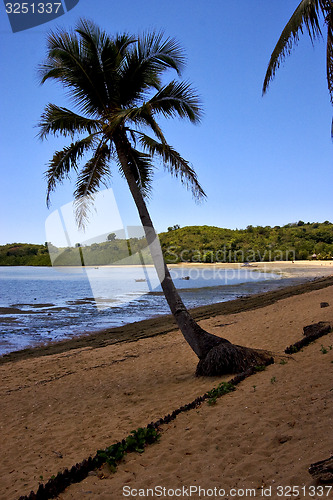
<point>202,244</point>
<point>160,325</point>
<point>59,410</point>
<point>261,264</point>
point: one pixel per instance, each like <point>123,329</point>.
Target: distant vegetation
<point>113,251</point>
<point>23,254</point>
<point>295,241</point>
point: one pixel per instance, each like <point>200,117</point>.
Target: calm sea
<point>42,304</point>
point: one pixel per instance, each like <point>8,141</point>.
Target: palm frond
<point>63,162</point>
<point>71,62</point>
<point>306,15</point>
<point>174,163</point>
<point>329,57</point>
<point>146,62</point>
<point>145,116</point>
<point>142,168</point>
<point>98,47</point>
<point>94,173</point>
<point>160,53</point>
<point>329,53</point>
<point>137,115</point>
<point>93,37</point>
<point>111,81</point>
<point>62,121</point>
<point>177,99</point>
<point>113,54</point>
<point>108,54</point>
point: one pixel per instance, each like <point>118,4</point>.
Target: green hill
<point>295,241</point>
<point>24,254</point>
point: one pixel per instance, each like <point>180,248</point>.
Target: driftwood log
<point>318,329</point>
<point>311,333</point>
<point>322,471</point>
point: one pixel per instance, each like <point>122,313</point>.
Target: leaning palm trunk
<point>117,84</point>
<point>216,355</point>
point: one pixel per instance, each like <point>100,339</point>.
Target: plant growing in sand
<point>260,368</point>
<point>324,350</point>
<point>220,390</point>
<point>136,441</point>
<point>115,84</point>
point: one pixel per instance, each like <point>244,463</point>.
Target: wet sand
<point>61,403</point>
<point>163,324</point>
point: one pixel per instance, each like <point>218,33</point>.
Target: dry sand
<point>58,409</point>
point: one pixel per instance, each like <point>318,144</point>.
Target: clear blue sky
<point>261,161</point>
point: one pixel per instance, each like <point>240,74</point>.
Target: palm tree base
<point>228,358</point>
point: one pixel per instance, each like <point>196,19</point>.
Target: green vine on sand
<point>220,390</point>
<point>136,441</point>
<point>260,368</point>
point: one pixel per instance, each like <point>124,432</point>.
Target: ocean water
<point>43,304</point>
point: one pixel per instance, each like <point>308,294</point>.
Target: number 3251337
<point>32,8</point>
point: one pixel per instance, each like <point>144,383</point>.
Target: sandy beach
<point>60,404</point>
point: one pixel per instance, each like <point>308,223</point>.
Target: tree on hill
<point>307,16</point>
<point>174,228</point>
<point>115,84</point>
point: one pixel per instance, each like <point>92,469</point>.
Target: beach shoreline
<point>268,264</point>
<point>265,266</point>
<point>164,324</point>
<point>59,409</point>
<point>84,304</point>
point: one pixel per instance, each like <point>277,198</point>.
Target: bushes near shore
<point>295,241</point>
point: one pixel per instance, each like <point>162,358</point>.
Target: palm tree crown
<point>116,84</point>
<point>307,15</point>
<point>116,87</point>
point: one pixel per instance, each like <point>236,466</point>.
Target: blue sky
<point>261,160</point>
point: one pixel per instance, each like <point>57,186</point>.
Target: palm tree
<point>307,15</point>
<point>116,86</point>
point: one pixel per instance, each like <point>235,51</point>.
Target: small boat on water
<point>140,280</point>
